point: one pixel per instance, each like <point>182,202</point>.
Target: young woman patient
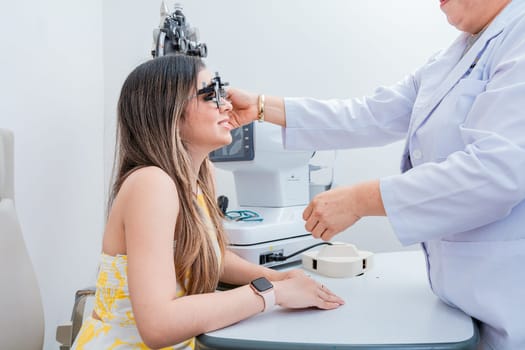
<point>164,249</point>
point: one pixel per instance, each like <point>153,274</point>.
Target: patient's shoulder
<point>149,173</point>
<point>149,182</point>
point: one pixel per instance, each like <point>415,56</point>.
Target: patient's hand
<point>291,274</point>
<point>302,292</point>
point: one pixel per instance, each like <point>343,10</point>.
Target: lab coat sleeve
<point>481,184</point>
<point>335,124</point>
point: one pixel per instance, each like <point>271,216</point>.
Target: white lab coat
<point>462,189</point>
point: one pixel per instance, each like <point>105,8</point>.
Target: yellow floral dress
<point>116,329</point>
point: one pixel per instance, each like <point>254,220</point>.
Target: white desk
<point>389,307</point>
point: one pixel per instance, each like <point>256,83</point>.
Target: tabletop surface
<point>391,304</point>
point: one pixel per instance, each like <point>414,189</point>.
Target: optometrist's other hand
<point>303,291</point>
<point>331,212</point>
<point>335,210</point>
<point>244,107</point>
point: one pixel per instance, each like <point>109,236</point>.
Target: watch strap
<point>269,299</point>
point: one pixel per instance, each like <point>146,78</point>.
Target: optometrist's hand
<point>303,291</point>
<point>331,212</point>
<point>244,105</point>
<point>335,210</point>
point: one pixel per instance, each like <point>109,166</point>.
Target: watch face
<point>262,284</point>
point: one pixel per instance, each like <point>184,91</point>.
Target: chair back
<point>21,311</point>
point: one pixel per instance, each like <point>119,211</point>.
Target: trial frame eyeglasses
<point>214,91</point>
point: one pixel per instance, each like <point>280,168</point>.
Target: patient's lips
<point>225,123</point>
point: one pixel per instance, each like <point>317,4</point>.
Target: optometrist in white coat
<point>462,188</point>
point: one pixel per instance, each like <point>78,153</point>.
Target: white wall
<point>324,49</point>
<point>128,38</point>
<point>51,96</point>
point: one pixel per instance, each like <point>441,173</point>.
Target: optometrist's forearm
<point>368,197</point>
<point>274,111</point>
<point>238,271</point>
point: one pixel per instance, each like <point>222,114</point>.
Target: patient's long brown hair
<point>151,109</point>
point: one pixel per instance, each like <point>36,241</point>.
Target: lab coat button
<point>416,154</point>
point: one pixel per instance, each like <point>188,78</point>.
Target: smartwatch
<point>264,288</point>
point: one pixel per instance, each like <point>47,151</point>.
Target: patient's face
<point>206,127</point>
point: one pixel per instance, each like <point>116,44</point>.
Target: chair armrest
<point>67,332</point>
